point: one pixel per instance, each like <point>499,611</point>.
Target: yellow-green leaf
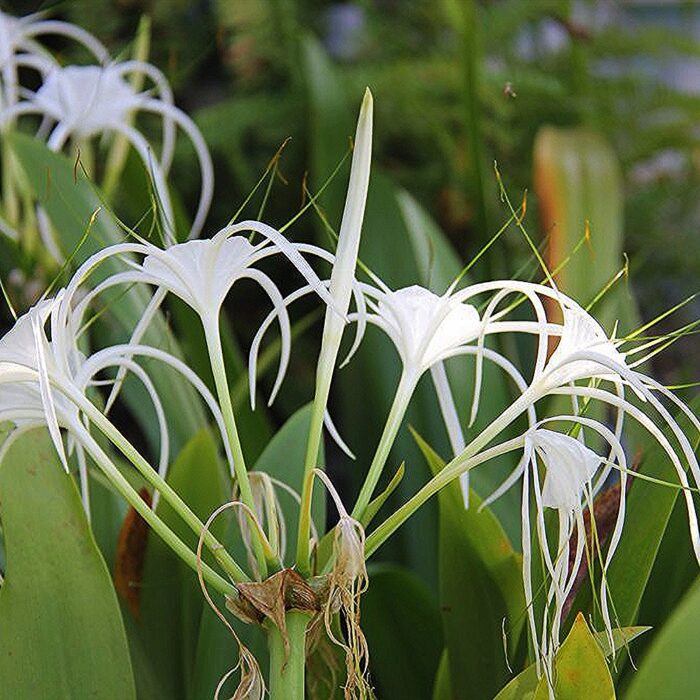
<point>580,670</point>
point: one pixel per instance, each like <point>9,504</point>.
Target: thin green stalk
<point>458,466</point>
<point>323,386</point>
<point>402,398</point>
<point>218,368</point>
<point>286,680</point>
<point>155,523</point>
<point>464,461</point>
<point>110,431</point>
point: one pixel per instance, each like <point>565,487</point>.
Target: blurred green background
<point>458,85</point>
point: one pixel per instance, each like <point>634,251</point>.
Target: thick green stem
<point>287,672</point>
<point>404,391</point>
<point>218,368</point>
<point>450,472</point>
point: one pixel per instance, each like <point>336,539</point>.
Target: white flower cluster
<point>81,102</point>
<point>46,372</point>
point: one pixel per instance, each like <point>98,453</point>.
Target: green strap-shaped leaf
<point>61,632</point>
<point>70,202</point>
<point>670,670</point>
<point>402,625</point>
<point>480,585</point>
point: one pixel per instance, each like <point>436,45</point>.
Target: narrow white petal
<point>333,432</point>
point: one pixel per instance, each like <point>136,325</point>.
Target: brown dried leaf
<point>130,557</point>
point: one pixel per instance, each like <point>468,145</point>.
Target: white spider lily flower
<point>46,381</point>
<point>575,466</point>
<point>569,470</point>
<point>18,41</point>
<point>426,329</point>
<point>88,101</point>
<point>569,467</point>
<point>202,272</point>
<point>43,381</point>
<point>581,333</point>
<point>586,365</point>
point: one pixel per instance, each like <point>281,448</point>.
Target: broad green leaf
<point>674,571</point>
<point>524,685</point>
<point>403,629</point>
<point>480,586</point>
<point>670,670</point>
<point>70,202</point>
<point>171,599</point>
<point>580,670</point>
<point>61,632</point>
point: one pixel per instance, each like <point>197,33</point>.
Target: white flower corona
<point>570,467</point>
<point>425,327</point>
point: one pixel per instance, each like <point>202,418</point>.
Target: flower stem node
<point>259,602</point>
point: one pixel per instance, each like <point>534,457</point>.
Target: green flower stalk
<point>341,287</point>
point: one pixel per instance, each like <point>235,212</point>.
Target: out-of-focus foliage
<point>606,66</point>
